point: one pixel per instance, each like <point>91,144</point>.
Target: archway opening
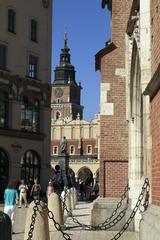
<point>85,175</point>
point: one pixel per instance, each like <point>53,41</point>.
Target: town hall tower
<point>66,93</point>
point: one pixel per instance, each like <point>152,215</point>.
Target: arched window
<point>3,109</point>
<point>36,108</point>
<point>11,20</point>
<point>58,115</point>
<point>30,166</point>
<point>72,149</point>
<point>30,120</point>
<point>4,166</point>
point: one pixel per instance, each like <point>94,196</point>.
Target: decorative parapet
<point>134,16</point>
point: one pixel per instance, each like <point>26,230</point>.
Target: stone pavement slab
<point>82,213</point>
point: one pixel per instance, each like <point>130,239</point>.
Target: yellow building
<point>25,76</point>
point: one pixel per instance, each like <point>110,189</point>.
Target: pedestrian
<point>82,190</point>
<point>96,189</point>
<point>50,189</point>
<point>10,200</point>
<point>36,189</point>
<point>57,180</point>
<point>23,188</point>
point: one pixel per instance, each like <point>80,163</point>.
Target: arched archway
<point>136,114</point>
<point>58,115</point>
<point>30,166</point>
<point>4,171</point>
<point>85,174</point>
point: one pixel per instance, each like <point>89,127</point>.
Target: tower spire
<point>65,40</point>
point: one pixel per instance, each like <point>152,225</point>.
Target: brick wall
<point>114,128</point>
<point>155,126</point>
<point>155,104</point>
<point>155,28</point>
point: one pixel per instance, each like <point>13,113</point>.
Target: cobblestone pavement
<point>82,212</point>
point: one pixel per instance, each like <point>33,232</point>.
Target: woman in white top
<point>23,193</point>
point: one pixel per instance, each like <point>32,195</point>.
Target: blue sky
<point>88,29</point>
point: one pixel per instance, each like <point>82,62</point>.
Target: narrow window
<point>3,57</point>
<point>33,66</point>
<point>58,115</point>
<point>11,21</point>
<point>3,109</point>
<point>89,149</point>
<point>30,120</point>
<point>55,150</point>
<point>72,150</point>
<point>34,30</point>
<point>36,118</point>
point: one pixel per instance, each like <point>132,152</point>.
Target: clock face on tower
<point>45,3</point>
<point>58,92</point>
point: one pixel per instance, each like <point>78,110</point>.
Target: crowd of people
<point>88,190</point>
<point>24,193</point>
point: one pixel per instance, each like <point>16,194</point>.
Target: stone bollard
<point>72,198</point>
<point>5,227</point>
<point>55,206</point>
<point>68,201</point>
<point>41,227</point>
<point>75,196</point>
<point>62,197</point>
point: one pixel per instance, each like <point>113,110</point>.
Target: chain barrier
<point>107,223</point>
<point>141,205</point>
<point>50,216</point>
<point>145,189</point>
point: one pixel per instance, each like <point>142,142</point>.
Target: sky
<point>88,29</point>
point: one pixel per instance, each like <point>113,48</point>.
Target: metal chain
<point>33,219</point>
<point>57,225</point>
<point>106,224</point>
<point>69,213</point>
<point>103,225</point>
<point>50,216</point>
<point>144,195</point>
<point>145,189</point>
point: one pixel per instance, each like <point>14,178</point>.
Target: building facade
<point>67,120</point>
<point>129,114</point>
<point>25,89</point>
<point>82,147</point>
<point>149,227</point>
<point>113,123</point>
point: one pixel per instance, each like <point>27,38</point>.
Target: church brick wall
<point>155,103</point>
<point>155,39</point>
<point>155,126</point>
<point>114,127</point>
